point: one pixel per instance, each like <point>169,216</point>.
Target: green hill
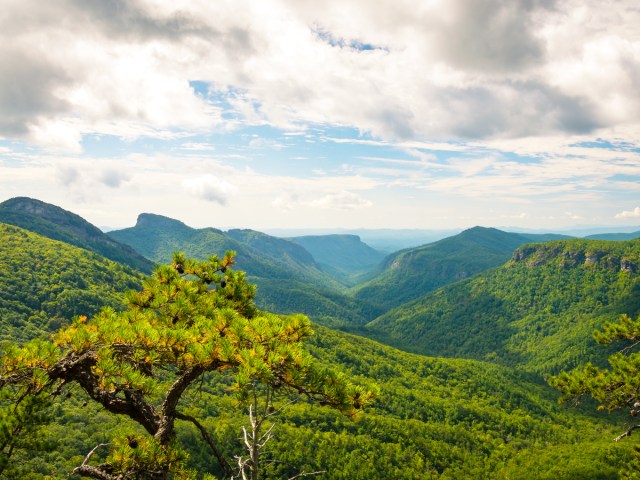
<point>409,274</point>
<point>287,276</point>
<point>58,224</point>
<point>44,283</point>
<point>537,311</point>
<point>344,256</point>
<point>434,418</point>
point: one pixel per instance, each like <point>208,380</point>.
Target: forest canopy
<point>190,320</point>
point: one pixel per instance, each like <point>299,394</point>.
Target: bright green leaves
<point>189,318</point>
<point>625,329</point>
<point>135,454</point>
<point>614,388</point>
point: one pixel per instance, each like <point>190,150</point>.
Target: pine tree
<point>190,318</point>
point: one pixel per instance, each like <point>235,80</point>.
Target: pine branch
<point>209,441</point>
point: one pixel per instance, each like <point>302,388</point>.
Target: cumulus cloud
<point>635,213</point>
<point>210,188</point>
<point>401,70</point>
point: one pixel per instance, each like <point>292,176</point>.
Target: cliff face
<point>610,255</point>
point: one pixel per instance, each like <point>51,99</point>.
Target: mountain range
<point>461,332</point>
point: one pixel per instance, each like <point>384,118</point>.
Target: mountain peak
<point>154,220</point>
<point>51,213</point>
<point>59,224</point>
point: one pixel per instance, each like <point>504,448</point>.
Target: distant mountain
<point>409,274</point>
<point>615,236</point>
<point>345,256</point>
<point>287,276</point>
<point>386,240</point>
<point>44,283</point>
<point>59,224</point>
<point>537,311</point>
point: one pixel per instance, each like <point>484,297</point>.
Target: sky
<point>261,114</point>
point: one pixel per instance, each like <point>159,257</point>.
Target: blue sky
<point>290,114</point>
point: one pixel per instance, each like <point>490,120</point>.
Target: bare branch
<point>86,459</point>
<point>627,433</point>
<point>98,472</point>
<point>630,347</point>
<point>303,474</point>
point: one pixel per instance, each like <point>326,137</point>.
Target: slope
<point>287,276</point>
<point>58,224</point>
<point>408,274</point>
<point>344,256</point>
<point>435,418</point>
<point>536,312</point>
<point>44,283</point>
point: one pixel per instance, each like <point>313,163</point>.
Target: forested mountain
<point>44,283</point>
<point>536,312</point>
<point>411,273</point>
<point>345,256</point>
<point>615,236</point>
<point>434,418</point>
<point>59,224</point>
<point>287,276</point>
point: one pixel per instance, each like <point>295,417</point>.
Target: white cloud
<point>456,68</point>
<point>635,213</point>
<point>341,201</point>
<point>210,188</point>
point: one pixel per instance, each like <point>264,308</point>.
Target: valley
<point>457,335</point>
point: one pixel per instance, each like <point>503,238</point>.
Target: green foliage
<point>411,273</point>
<point>58,224</point>
<point>617,387</point>
<point>44,283</point>
<point>286,275</point>
<point>21,429</point>
<point>191,318</point>
<point>536,312</point>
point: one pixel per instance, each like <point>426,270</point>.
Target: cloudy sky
<point>346,113</point>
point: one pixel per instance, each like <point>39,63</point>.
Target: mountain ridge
<point>58,224</point>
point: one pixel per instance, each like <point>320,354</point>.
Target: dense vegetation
<point>441,418</point>
<point>536,312</point>
<point>58,224</point>
<point>287,276</point>
<point>190,319</point>
<point>409,274</point>
<point>44,283</point>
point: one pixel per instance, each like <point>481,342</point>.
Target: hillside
<point>435,418</point>
<point>409,274</point>
<point>44,283</point>
<point>344,256</point>
<point>287,276</point>
<point>536,312</point>
<point>58,224</point>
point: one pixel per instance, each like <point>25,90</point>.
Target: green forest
<point>109,372</point>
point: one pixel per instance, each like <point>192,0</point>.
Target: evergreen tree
<point>615,388</point>
<point>191,319</point>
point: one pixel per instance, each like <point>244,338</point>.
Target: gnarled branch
<point>209,441</point>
